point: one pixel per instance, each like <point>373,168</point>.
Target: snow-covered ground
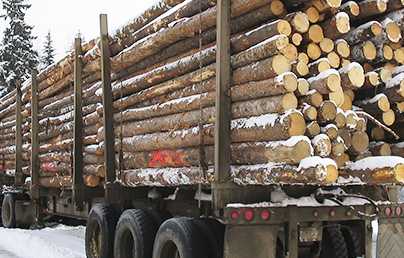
<point>56,242</point>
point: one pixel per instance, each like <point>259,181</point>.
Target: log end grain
<point>343,48</point>
<point>297,125</point>
<point>342,22</point>
<point>281,64</point>
<point>389,117</point>
<point>302,86</point>
<point>393,31</point>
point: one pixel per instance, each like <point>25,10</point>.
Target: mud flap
<point>250,241</point>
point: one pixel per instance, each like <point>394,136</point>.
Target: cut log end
<point>343,48</point>
<point>342,23</point>
<point>313,14</point>
<point>313,129</point>
<point>334,59</point>
<point>302,86</point>
<point>389,117</point>
<point>383,103</point>
<point>290,81</point>
<point>297,125</point>
<point>399,173</point>
<point>284,28</point>
<point>277,8</point>
<point>316,34</point>
<point>297,39</point>
<point>289,101</point>
<point>369,50</point>
<point>337,97</point>
<point>313,51</point>
<point>327,45</point>
<point>332,174</point>
<point>281,64</point>
<point>328,111</point>
<point>301,22</point>
<point>356,75</point>
<point>393,32</point>
<point>376,28</point>
<point>360,142</point>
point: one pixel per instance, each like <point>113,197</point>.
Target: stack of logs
<point>317,90</point>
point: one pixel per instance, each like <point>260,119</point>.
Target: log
<point>380,149</point>
<point>271,127</point>
<point>313,129</point>
<point>376,170</point>
<point>398,149</point>
<point>291,151</point>
<point>363,52</point>
<point>312,98</point>
<point>327,45</point>
<point>327,112</point>
<point>337,26</point>
<point>315,171</point>
<point>370,8</point>
<point>299,21</point>
<point>352,76</point>
<point>275,104</point>
<point>326,82</point>
<point>322,145</point>
<point>351,8</point>
<point>238,93</point>
<point>343,48</point>
<point>378,103</point>
<point>364,32</point>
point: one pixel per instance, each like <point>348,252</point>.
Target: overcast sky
<point>64,19</point>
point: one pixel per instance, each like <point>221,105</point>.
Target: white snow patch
<point>396,80</point>
<point>372,163</point>
<point>58,242</point>
<point>311,162</point>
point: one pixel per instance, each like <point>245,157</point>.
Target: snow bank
<point>59,242</point>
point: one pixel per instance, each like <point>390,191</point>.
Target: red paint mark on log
<point>166,158</point>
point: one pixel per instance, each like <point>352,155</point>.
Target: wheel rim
<point>170,250</point>
<point>127,244</point>
<point>96,241</point>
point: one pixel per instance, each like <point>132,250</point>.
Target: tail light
<point>235,214</point>
<point>265,214</point>
<point>399,211</point>
<point>249,214</point>
<point>388,211</point>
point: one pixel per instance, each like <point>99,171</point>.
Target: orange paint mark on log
<point>166,158</point>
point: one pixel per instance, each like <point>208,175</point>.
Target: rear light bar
<point>250,214</point>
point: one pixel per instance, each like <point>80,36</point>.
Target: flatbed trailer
<point>222,219</point>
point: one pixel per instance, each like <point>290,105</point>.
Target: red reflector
<point>399,211</point>
<point>234,215</point>
<point>388,211</point>
<point>265,215</point>
<point>249,214</point>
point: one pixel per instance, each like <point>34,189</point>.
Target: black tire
<point>180,237</point>
<point>213,233</point>
<point>8,216</point>
<point>333,243</point>
<point>352,242</point>
<point>100,232</point>
<point>134,235</point>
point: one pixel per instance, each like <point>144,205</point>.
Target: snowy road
<point>57,242</point>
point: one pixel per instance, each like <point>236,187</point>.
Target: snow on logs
<point>301,71</point>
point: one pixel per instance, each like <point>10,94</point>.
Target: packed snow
<point>52,242</point>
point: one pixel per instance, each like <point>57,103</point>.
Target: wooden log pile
<point>317,89</point>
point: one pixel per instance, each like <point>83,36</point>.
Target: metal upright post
<point>109,137</point>
<point>223,105</point>
<point>19,177</point>
<point>78,182</point>
<point>35,185</point>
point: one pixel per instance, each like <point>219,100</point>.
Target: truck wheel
<point>213,232</point>
<point>134,235</point>
<point>352,242</point>
<point>100,231</point>
<point>333,243</point>
<point>179,238</point>
<point>8,211</point>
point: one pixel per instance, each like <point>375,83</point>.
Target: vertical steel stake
<point>19,177</point>
<point>109,137</point>
<point>35,185</point>
<point>223,103</point>
<point>78,183</point>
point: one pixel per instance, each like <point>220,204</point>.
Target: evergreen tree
<point>17,56</point>
<point>48,54</point>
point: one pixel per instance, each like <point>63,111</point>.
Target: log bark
<point>269,127</point>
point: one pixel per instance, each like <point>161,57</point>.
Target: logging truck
<point>210,129</point>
